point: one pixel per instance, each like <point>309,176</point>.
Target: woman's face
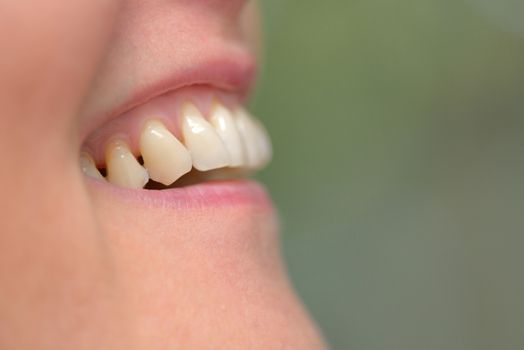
<point>102,263</point>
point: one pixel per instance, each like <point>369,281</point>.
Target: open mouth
<point>181,138</point>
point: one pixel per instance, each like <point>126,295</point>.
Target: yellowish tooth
<point>256,141</point>
<point>224,123</point>
<point>122,167</point>
<point>88,166</point>
<point>165,158</point>
<point>205,146</point>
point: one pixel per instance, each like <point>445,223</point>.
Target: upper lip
<point>232,70</point>
<point>233,73</point>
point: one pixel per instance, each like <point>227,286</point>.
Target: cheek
<point>50,51</point>
<point>50,256</point>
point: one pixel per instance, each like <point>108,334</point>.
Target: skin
<point>81,268</point>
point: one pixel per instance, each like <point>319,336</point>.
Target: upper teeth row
<point>228,139</point>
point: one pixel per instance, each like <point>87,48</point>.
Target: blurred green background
<point>398,129</point>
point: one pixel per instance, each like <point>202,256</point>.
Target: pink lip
<point>232,70</point>
<point>207,194</point>
<point>233,74</point>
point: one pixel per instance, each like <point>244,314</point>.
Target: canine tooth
<point>122,167</point>
<point>165,158</point>
<point>255,138</point>
<point>222,120</point>
<point>205,146</point>
<point>88,166</point>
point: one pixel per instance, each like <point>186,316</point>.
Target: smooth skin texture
<point>83,269</point>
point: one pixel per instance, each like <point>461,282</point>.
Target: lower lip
<point>208,194</point>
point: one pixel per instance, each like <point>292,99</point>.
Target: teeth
<point>165,158</point>
<point>222,120</point>
<point>204,144</point>
<point>122,167</point>
<point>229,139</point>
<point>255,138</point>
<point>88,166</point>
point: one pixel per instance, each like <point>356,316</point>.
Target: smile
<point>183,137</point>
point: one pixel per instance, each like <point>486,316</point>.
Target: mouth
<point>198,138</point>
